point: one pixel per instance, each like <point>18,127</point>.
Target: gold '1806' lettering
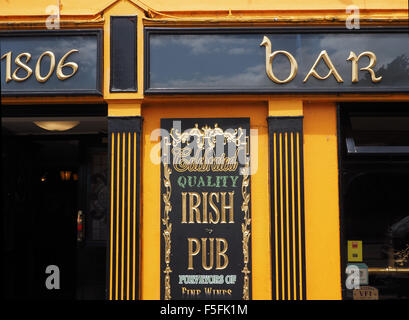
<point>22,65</point>
<point>50,71</point>
<point>10,75</point>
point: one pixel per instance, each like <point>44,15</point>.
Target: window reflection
<point>215,61</point>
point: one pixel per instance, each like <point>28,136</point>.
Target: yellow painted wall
<point>271,5</point>
<point>321,201</point>
<point>90,7</point>
<point>151,198</point>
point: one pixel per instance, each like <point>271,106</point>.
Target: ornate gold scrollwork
<point>190,156</point>
<point>245,228</point>
<point>167,226</point>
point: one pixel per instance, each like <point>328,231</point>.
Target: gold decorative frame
<point>167,227</point>
<point>245,226</point>
<point>245,229</point>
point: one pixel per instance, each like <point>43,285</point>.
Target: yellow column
<point>124,108</point>
<point>285,107</point>
<point>321,201</point>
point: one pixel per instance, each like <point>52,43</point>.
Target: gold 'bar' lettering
<point>372,61</point>
<point>269,62</point>
<point>324,56</point>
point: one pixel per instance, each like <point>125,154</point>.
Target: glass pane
<point>86,58</point>
<point>216,61</point>
<point>380,131</point>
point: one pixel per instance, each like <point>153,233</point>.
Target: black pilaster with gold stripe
<point>287,208</point>
<point>124,176</point>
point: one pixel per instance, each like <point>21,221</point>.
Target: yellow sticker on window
<point>354,250</point>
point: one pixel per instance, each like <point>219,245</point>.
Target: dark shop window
<point>374,194</point>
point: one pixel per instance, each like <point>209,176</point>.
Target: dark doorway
<point>52,194</point>
<point>374,193</point>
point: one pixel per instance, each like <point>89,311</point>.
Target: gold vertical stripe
<point>287,225</point>
<point>117,217</point>
<point>275,213</point>
<point>112,216</point>
<point>123,215</point>
<point>299,214</point>
<point>281,213</point>
<point>293,215</point>
<point>134,213</point>
<point>129,213</point>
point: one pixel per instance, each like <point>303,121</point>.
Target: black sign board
<point>205,209</point>
<point>276,60</point>
<point>52,62</point>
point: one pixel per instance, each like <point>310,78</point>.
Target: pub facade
<point>176,150</point>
